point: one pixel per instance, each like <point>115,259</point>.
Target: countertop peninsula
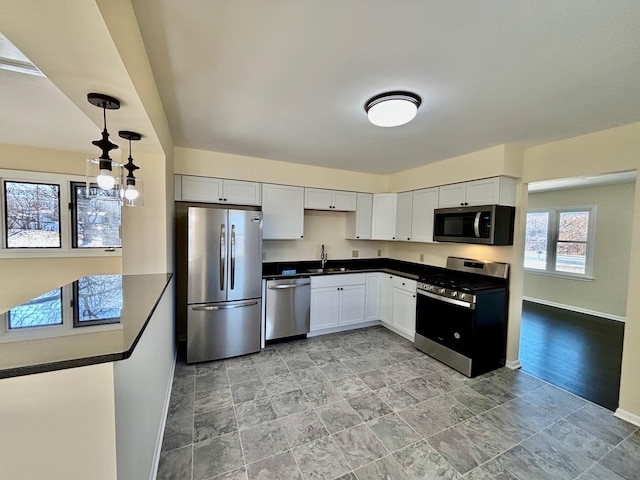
<point>95,319</point>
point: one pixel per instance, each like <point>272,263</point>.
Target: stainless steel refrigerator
<point>224,278</point>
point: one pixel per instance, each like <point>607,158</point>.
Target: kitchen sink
<point>327,270</point>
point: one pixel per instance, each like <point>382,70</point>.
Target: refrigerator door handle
<point>210,308</point>
<point>233,257</point>
<point>223,258</point>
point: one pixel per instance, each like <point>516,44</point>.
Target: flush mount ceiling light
<point>392,109</point>
<point>105,178</point>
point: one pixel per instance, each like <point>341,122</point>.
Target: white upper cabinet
<point>404,209</point>
<point>320,199</point>
<point>424,203</point>
<point>383,224</point>
<point>282,212</point>
<point>488,191</point>
<point>359,222</point>
<point>218,190</point>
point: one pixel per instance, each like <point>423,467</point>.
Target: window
<point>95,217</point>
<point>42,311</point>
<point>559,241</point>
<point>32,218</point>
<point>50,215</point>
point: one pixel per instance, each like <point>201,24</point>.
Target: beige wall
<point>59,425</point>
<point>607,292</point>
<point>215,164</point>
<point>613,150</point>
<point>321,227</point>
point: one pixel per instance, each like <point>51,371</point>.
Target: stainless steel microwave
<point>485,224</point>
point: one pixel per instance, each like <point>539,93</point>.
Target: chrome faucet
<point>323,257</point>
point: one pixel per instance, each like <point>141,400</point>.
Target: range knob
<point>463,296</point>
<point>454,294</point>
<point>442,291</point>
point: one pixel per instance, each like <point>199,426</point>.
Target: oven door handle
<point>452,301</point>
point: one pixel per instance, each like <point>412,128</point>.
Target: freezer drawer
<point>288,305</point>
<point>223,330</point>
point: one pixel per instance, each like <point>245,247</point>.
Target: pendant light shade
<point>105,102</point>
<point>392,109</point>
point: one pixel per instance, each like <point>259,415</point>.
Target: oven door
<point>446,321</point>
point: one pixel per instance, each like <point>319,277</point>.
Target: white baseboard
<point>399,332</point>
<point>160,438</point>
<point>628,417</point>
<point>513,364</point>
<point>572,308</point>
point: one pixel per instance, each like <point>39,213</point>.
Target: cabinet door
<point>318,199</point>
<point>372,296</point>
<point>239,192</point>
<point>452,195</point>
<point>177,187</point>
<point>344,201</point>
<point>404,311</point>
<point>424,203</point>
<point>383,224</point>
<point>325,308</point>
<point>404,208</point>
<point>352,304</point>
<point>483,192</point>
<point>201,189</point>
<point>386,298</point>
<point>282,212</point>
<point>359,222</point>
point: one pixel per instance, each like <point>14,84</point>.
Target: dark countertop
<point>274,270</point>
<point>48,334</point>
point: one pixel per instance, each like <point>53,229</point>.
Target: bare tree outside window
<point>99,299</point>
<point>96,217</point>
<point>32,216</point>
<point>41,311</point>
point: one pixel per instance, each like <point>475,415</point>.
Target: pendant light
<point>130,192</point>
<point>392,109</point>
<point>105,178</point>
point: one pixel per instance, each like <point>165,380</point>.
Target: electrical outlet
<point>379,253</point>
<point>264,255</point>
<point>422,257</point>
<point>354,253</point>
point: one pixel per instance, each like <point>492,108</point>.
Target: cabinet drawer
<point>338,280</point>
<point>405,284</point>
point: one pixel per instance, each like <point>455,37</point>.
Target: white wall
<point>58,425</point>
<point>607,292</point>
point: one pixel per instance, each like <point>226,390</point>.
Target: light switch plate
<point>379,253</point>
<point>354,253</point>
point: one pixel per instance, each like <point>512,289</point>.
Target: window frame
<point>66,250</point>
<point>553,234</point>
<point>73,207</point>
<point>5,238</point>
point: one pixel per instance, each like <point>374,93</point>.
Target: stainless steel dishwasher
<point>288,307</point>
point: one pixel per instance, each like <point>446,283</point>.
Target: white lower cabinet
<point>337,300</point>
<point>386,290</point>
<point>404,306</point>
<point>372,295</point>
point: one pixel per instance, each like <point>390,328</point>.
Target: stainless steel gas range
<point>461,315</point>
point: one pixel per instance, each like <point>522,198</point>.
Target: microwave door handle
<point>223,256</point>
<point>476,224</point>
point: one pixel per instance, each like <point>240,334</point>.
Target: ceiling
<point>288,79</point>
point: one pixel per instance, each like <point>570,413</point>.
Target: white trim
<point>398,331</point>
<point>163,425</point>
<point>627,417</point>
<point>513,364</point>
<point>572,308</point>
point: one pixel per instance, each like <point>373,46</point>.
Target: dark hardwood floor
<point>574,351</point>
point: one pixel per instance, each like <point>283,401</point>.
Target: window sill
<point>45,253</point>
<point>566,276</point>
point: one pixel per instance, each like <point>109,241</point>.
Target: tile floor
<point>365,404</point>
